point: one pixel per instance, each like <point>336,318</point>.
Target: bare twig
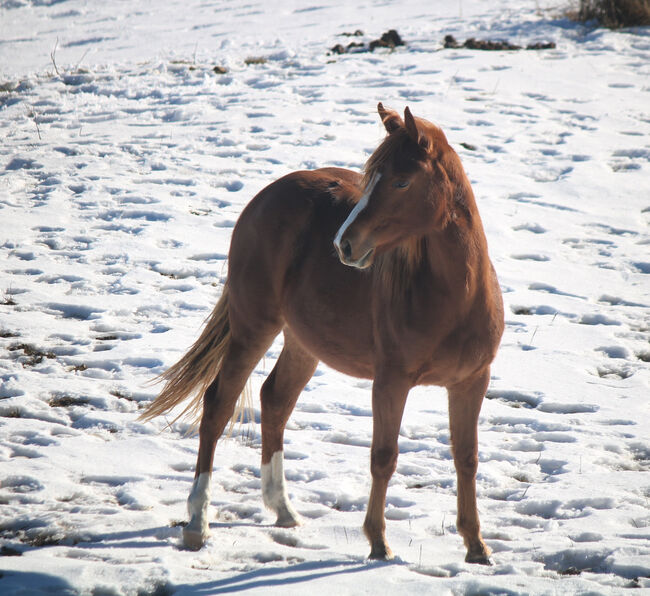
<point>81,60</point>
<point>32,115</point>
<point>53,57</point>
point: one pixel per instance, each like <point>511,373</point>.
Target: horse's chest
<point>433,343</point>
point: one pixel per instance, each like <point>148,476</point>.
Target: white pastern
<point>197,530</point>
<point>274,491</point>
<point>358,208</point>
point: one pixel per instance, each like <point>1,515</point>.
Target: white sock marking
<point>274,490</point>
<point>198,503</point>
<point>358,208</point>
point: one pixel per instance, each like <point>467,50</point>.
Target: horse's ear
<point>390,118</point>
<point>412,128</point>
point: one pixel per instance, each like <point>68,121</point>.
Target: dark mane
<point>394,271</point>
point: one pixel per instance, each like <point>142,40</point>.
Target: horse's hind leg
<point>279,394</point>
<point>218,406</point>
<point>464,406</point>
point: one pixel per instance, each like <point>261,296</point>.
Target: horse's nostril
<point>346,249</point>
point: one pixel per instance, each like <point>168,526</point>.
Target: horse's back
<point>289,223</point>
<point>271,228</point>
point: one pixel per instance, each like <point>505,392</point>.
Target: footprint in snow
<point>146,215</point>
<point>540,258</point>
<point>567,408</point>
<point>598,319</point>
<point>533,199</point>
<point>74,311</point>
<point>534,228</point>
<point>515,399</point>
<point>624,160</point>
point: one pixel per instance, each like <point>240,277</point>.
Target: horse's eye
<point>401,183</point>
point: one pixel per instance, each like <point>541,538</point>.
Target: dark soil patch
<point>65,401</point>
<point>33,354</point>
<point>450,42</point>
<point>390,40</point>
<point>255,60</point>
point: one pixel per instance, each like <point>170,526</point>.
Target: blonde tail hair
<point>193,373</point>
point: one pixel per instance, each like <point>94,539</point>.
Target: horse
<point>383,275</point>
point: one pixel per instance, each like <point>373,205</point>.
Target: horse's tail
<point>194,372</point>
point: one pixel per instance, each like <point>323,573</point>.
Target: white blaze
<point>358,208</point>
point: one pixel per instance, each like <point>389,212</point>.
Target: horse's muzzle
<point>344,249</point>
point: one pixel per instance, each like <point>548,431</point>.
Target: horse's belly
<point>327,314</point>
<point>356,365</point>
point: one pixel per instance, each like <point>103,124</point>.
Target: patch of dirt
<point>33,354</point>
<point>390,40</point>
<point>450,42</point>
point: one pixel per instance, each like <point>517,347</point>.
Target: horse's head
<point>406,187</point>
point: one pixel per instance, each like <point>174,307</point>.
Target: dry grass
<point>614,13</point>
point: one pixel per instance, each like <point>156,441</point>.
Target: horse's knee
<point>466,462</point>
<point>383,461</point>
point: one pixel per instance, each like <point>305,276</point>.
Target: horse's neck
<point>450,260</point>
<point>458,253</point>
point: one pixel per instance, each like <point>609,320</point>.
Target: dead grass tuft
<point>614,13</point>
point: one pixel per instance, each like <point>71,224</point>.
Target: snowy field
<point>125,160</point>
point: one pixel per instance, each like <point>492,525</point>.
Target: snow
<point>121,177</point>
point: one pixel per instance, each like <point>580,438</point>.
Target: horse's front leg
<point>389,393</point>
<point>465,402</point>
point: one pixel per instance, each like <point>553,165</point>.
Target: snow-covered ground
<point>124,163</point>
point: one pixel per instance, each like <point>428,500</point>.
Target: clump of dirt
<point>255,60</point>
<point>390,40</point>
<point>65,401</point>
<point>488,45</point>
<point>33,354</point>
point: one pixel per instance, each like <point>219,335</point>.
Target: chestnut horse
<point>411,299</point>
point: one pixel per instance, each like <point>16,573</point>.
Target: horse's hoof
<point>288,522</point>
<point>381,553</point>
<point>478,559</point>
<point>193,539</point>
